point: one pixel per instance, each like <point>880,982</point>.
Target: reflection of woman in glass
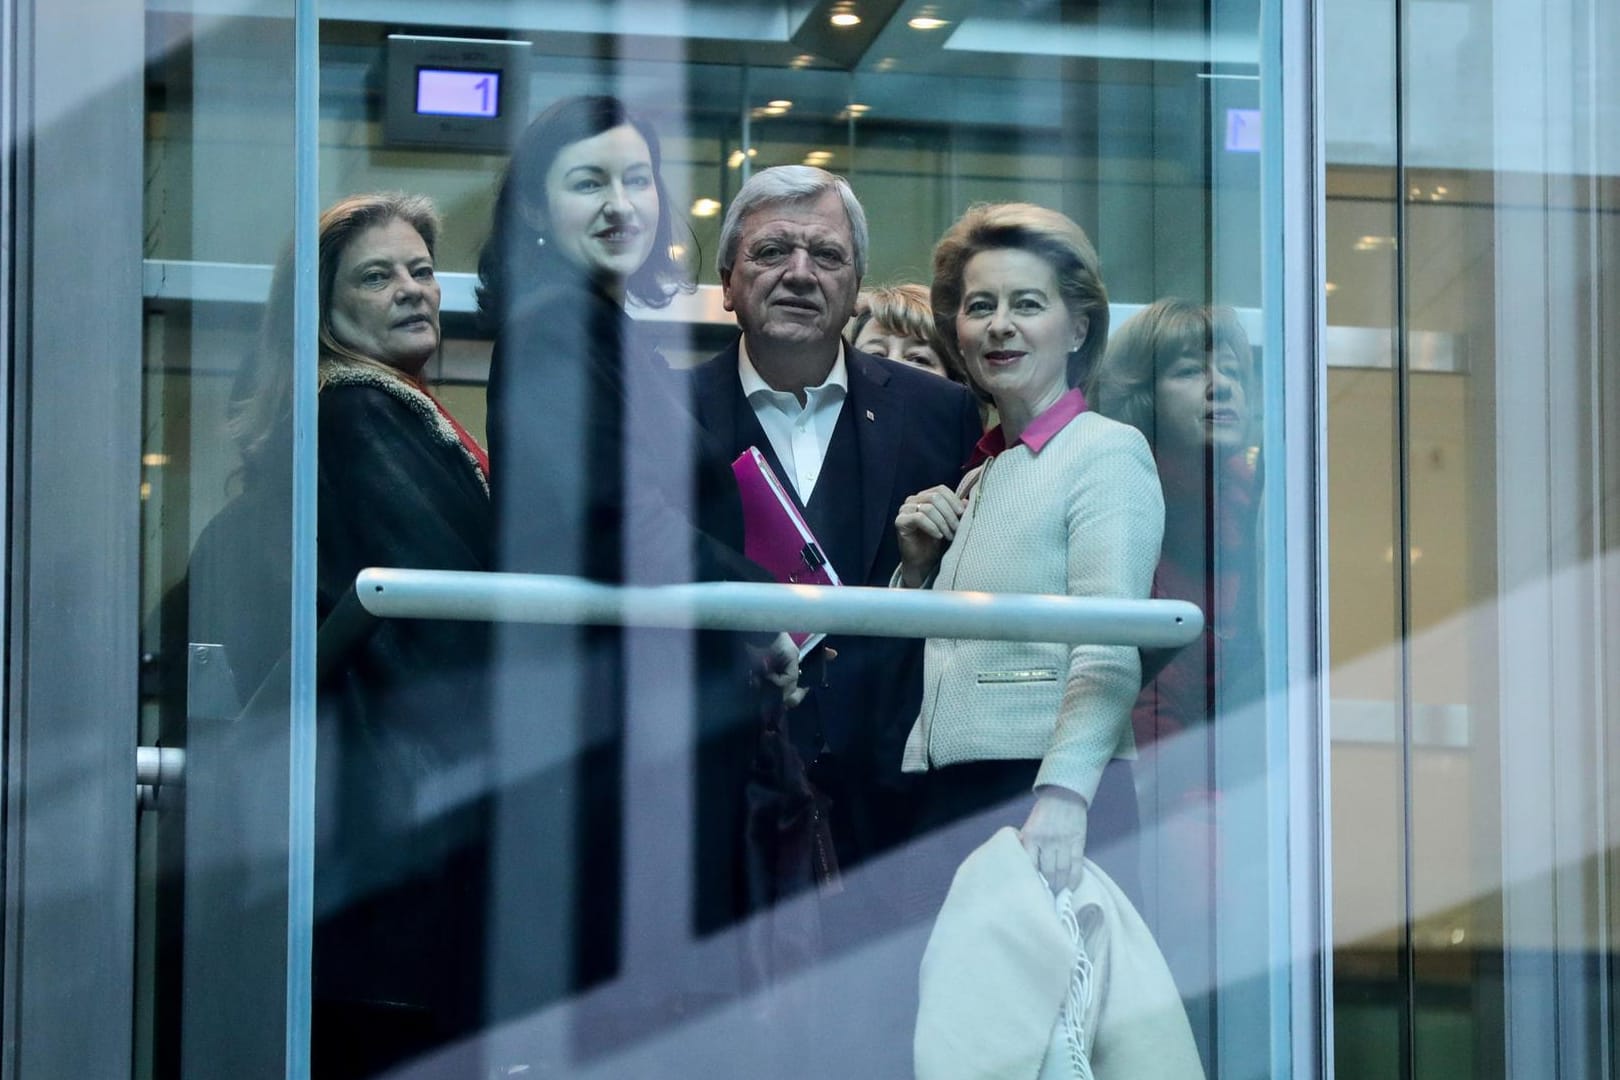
<point>1182,374</point>
<point>582,225</point>
<point>399,483</point>
<point>896,321</point>
<point>600,471</point>
<point>1067,502</point>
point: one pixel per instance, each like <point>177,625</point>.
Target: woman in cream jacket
<point>1066,502</point>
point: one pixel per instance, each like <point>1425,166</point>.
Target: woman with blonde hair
<point>1065,502</point>
<point>896,322</point>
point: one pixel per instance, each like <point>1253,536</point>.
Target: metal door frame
<point>71,208</point>
<point>74,103</point>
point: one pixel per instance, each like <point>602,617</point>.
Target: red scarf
<point>478,452</point>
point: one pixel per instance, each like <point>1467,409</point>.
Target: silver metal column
<point>74,436</point>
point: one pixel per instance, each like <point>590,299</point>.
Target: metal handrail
<point>159,765</point>
<point>543,598</point>
<point>383,593</point>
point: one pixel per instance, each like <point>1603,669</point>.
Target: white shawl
<point>1000,966</point>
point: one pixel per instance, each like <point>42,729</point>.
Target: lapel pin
<point>870,417</point>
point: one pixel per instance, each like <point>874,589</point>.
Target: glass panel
<point>217,538</point>
<point>599,851</point>
<point>1365,384</point>
<point>70,279</point>
<point>1488,152</point>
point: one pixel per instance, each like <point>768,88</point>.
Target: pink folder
<point>775,534</point>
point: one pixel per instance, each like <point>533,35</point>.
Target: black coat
<point>400,852</point>
<point>600,471</point>
<point>400,813</point>
<point>914,430</point>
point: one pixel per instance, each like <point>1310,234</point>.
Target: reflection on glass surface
<point>591,851</point>
<point>1469,185</point>
<point>217,550</point>
<point>559,305</point>
<point>1184,375</point>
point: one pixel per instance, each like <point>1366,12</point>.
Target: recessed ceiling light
<point>154,461</point>
<point>773,110</point>
<point>858,109</point>
<point>705,207</point>
<point>803,60</point>
<point>926,22</point>
<point>844,19</point>
<point>739,156</point>
<point>780,103</point>
<point>1330,288</point>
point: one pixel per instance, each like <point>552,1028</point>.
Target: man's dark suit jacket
<point>912,430</point>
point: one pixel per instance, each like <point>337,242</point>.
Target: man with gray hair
<point>850,435</point>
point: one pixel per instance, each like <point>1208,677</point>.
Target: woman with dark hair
<point>600,471</point>
<point>1066,502</point>
<point>583,225</point>
<point>610,237</point>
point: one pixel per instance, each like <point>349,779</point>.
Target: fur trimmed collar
<point>338,373</point>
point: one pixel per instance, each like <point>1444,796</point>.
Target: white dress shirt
<point>800,434</point>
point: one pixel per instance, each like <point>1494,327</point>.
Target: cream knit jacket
<point>1084,517</point>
